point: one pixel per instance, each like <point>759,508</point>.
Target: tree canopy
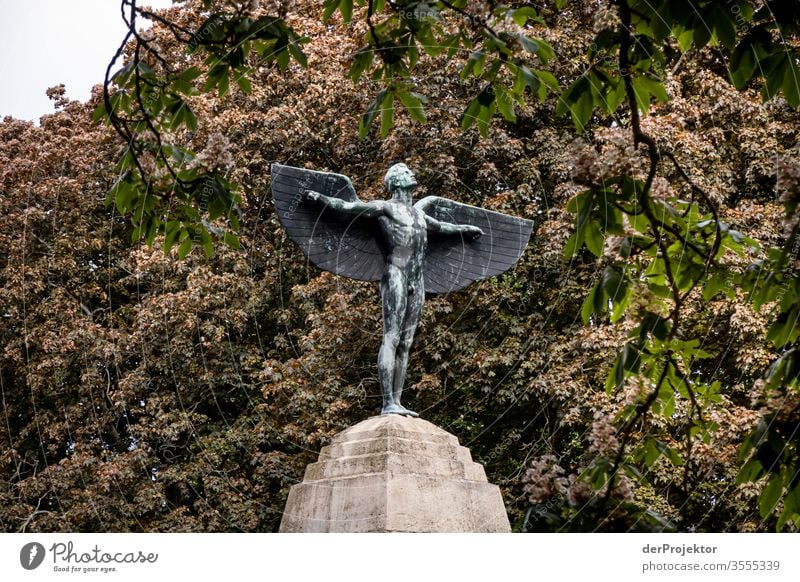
<point>638,370</point>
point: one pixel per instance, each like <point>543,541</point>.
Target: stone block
<point>394,474</point>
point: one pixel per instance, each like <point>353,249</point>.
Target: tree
<point>214,381</point>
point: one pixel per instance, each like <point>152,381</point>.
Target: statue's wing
<point>340,243</point>
<point>454,261</point>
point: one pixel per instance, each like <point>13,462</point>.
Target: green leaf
<point>451,43</point>
<point>774,68</point>
<point>657,89</point>
<point>330,8</point>
<point>413,55</point>
<point>666,398</point>
<point>577,202</point>
<point>620,305</point>
<point>582,110</point>
<point>244,84</point>
<point>573,245</point>
<point>213,29</point>
<point>480,110</point>
<point>743,65</point>
<point>525,78</point>
<point>362,60</point>
<point>649,453</point>
<point>181,86</point>
<point>282,58</point>
<point>785,330</point>
<point>178,108</point>
<point>701,35</point>
<point>505,104</point>
<point>190,74</point>
<point>185,247</point>
<point>660,22</point>
<point>99,113</point>
<point>474,64</point>
<point>346,8</point>
<point>616,377</point>
<point>296,51</point>
<point>413,102</point>
<point>122,75</point>
<point>685,40</point>
<point>191,119</point>
<point>791,501</point>
<point>547,78</point>
<point>171,230</point>
<point>545,52</point>
<point>528,44</point>
<point>642,92</point>
<point>654,325</point>
<point>484,117</point>
<point>669,452</point>
<point>770,495</point>
<point>615,283</point>
<point>751,471</point>
<point>645,87</point>
<point>213,76</point>
<point>593,238</point>
<point>785,370</point>
<point>579,101</point>
<point>231,240</point>
<point>470,114</point>
<point>136,233</point>
<point>152,231</point>
<point>716,284</point>
<point>223,84</point>
<point>587,309</point>
<point>387,114</point>
<point>371,113</point>
<point>490,73</point>
<point>547,81</point>
<point>791,83</point>
<point>629,360</point>
<point>120,102</point>
<point>122,193</point>
<point>724,25</point>
<point>521,15</point>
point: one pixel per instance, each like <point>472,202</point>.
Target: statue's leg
<point>413,311</point>
<point>393,295</point>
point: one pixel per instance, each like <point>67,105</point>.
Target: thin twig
<point>710,203</point>
<point>149,122</point>
<point>169,24</point>
<point>475,20</point>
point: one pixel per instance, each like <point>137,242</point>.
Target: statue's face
<point>399,177</point>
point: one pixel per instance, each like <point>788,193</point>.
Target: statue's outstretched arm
<point>373,208</point>
<point>448,228</point>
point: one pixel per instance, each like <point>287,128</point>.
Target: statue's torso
<point>406,235</point>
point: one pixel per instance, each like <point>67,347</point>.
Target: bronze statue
<point>433,246</point>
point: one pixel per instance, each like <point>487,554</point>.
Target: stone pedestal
<point>394,474</point>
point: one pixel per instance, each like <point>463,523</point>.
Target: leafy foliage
<point>164,186</point>
<point>672,245</point>
<point>647,382</point>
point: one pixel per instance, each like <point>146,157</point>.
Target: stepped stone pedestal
<point>394,474</point>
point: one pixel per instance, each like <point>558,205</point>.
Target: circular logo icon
<point>31,555</point>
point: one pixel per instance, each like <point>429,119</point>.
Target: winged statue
<point>435,245</point>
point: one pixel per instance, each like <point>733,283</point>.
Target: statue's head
<point>398,178</point>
